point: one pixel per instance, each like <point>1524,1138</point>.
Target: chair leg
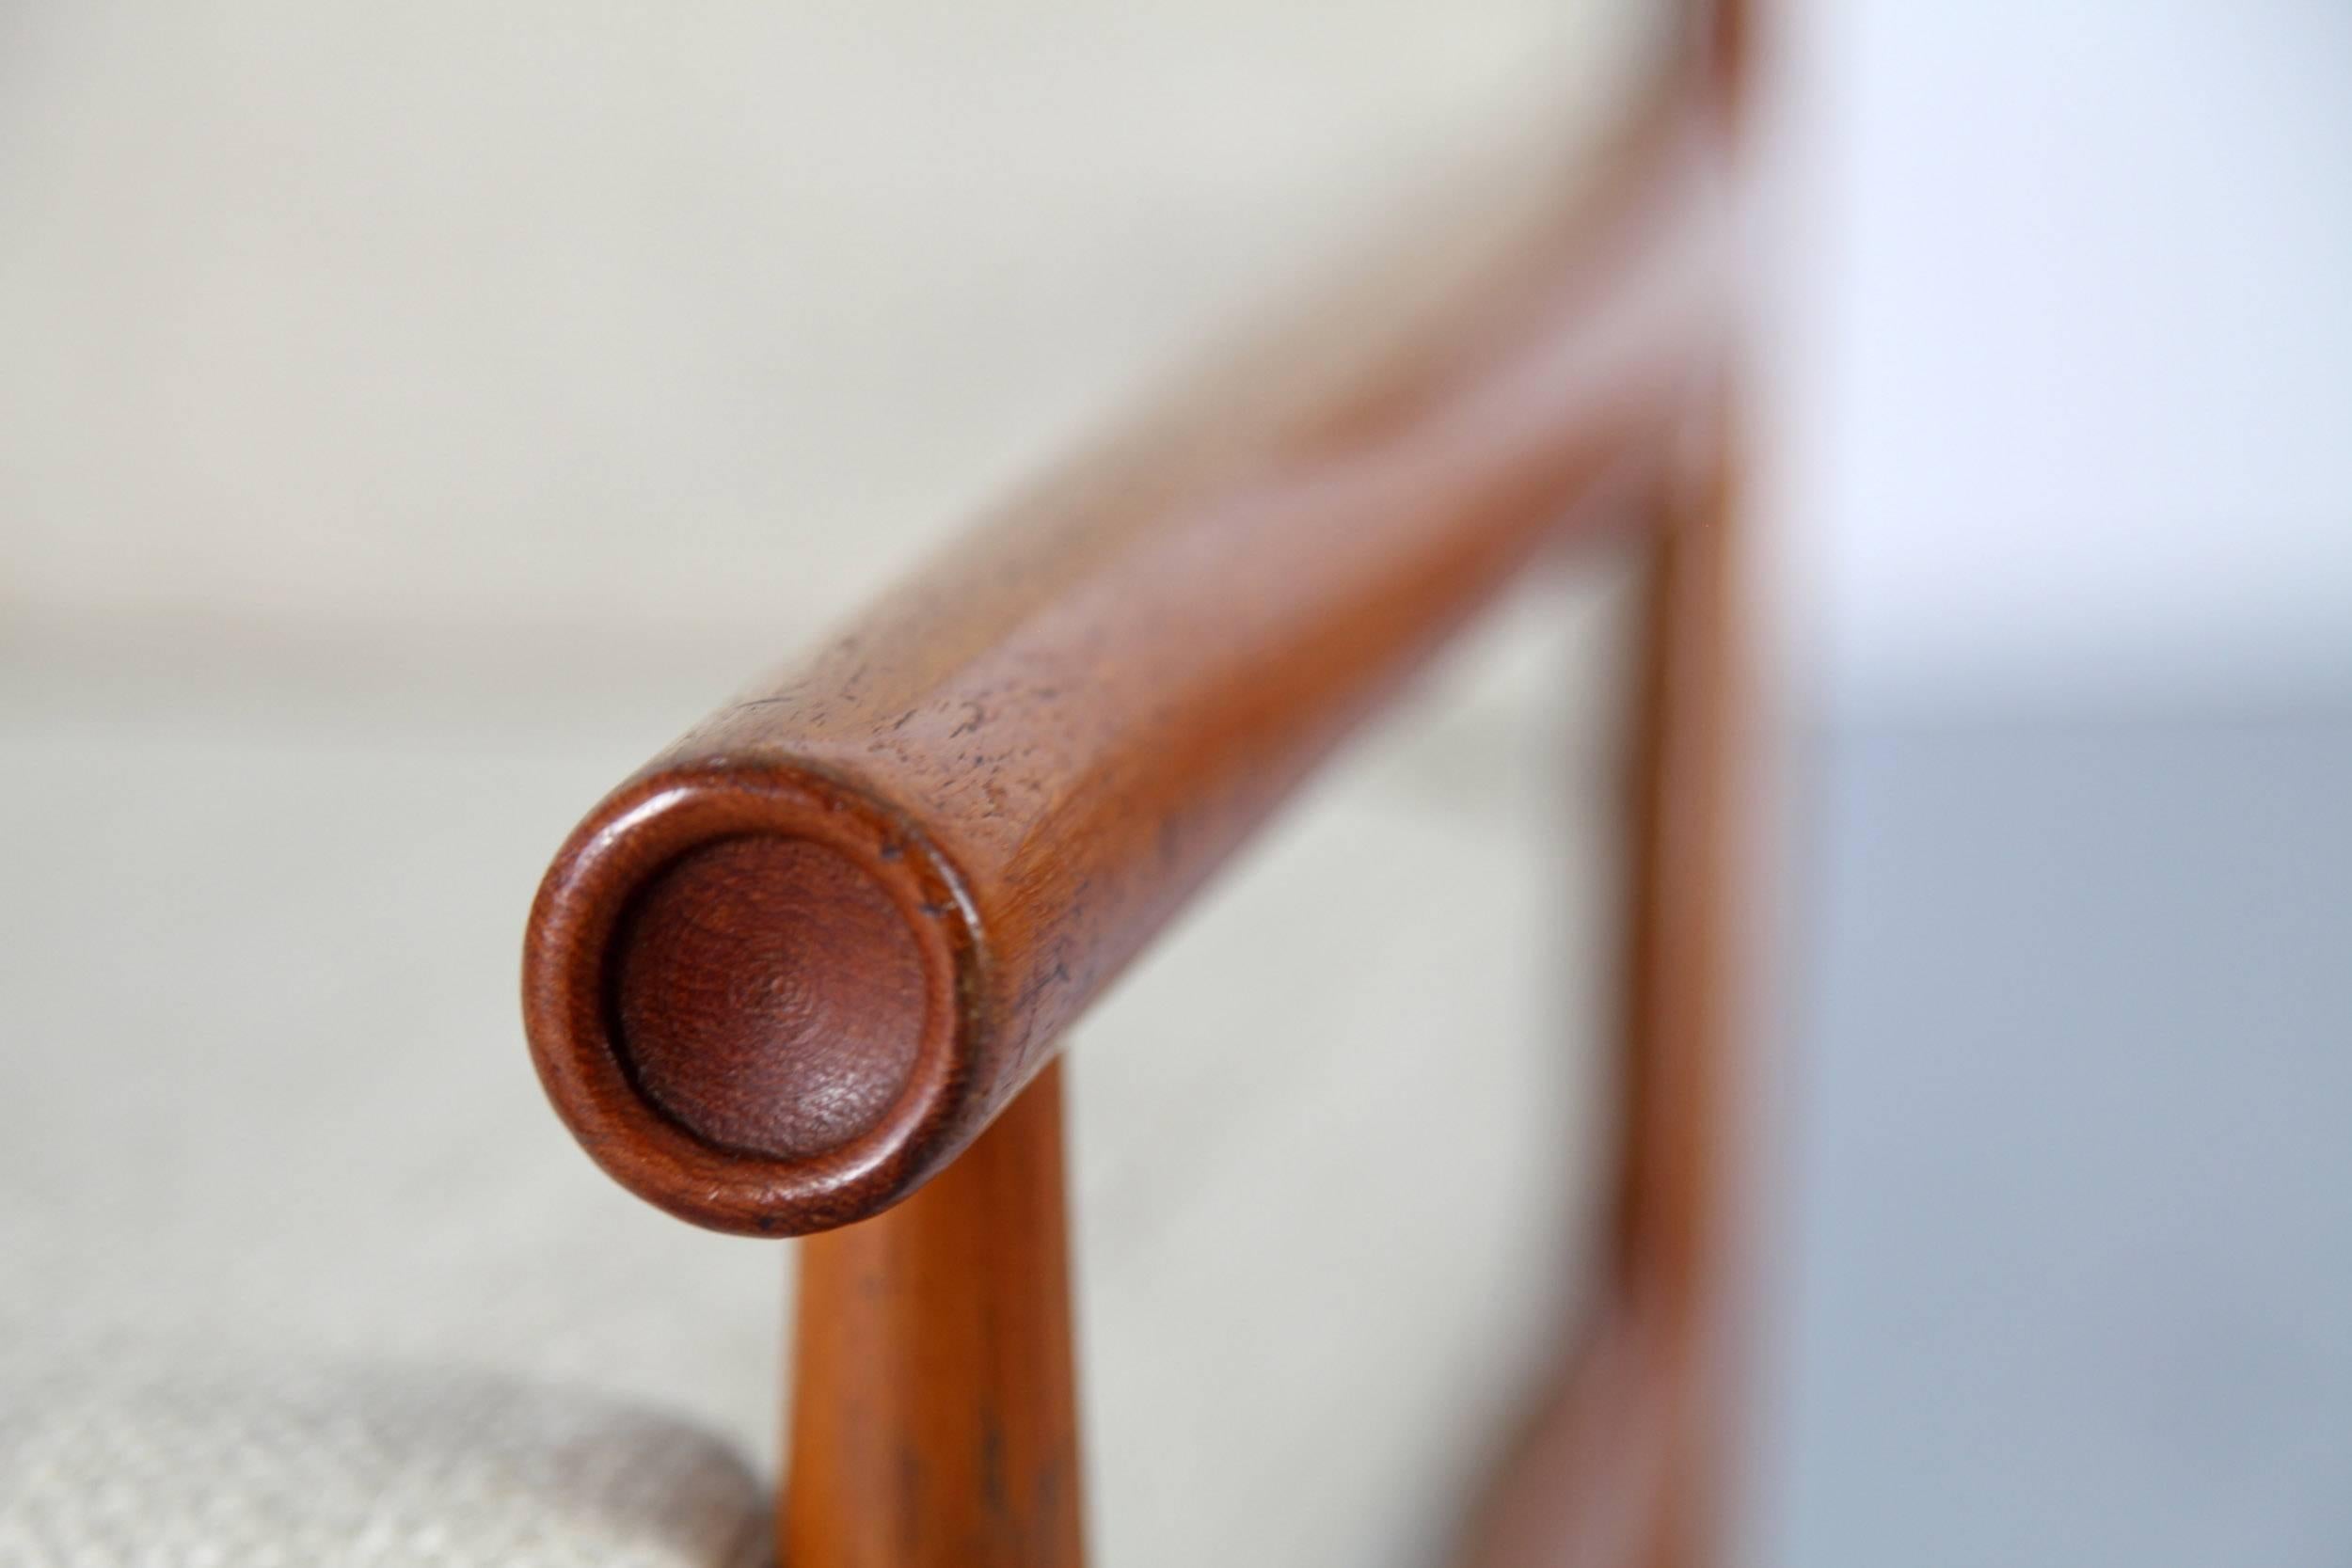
<point>1675,1236</point>
<point>1619,1466</point>
<point>935,1417</point>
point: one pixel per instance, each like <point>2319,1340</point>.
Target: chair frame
<point>941,836</point>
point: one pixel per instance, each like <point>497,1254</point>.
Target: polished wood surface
<point>935,1417</point>
<point>1006,777</point>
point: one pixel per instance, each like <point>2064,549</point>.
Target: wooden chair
<point>806,972</point>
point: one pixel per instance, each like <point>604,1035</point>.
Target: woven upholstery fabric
<point>154,1453</point>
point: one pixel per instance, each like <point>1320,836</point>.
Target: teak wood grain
<point>935,1417</point>
<point>784,973</point>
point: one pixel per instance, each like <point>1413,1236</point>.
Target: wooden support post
<point>1620,1467</point>
<point>1673,1242</point>
<point>934,1418</point>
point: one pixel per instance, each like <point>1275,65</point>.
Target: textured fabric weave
<point>148,1455</point>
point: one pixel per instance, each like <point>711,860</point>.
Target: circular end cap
<point>750,994</point>
<point>767,995</point>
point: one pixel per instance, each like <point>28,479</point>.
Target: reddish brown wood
<point>780,977</point>
<point>1675,1235</point>
<point>1622,1464</point>
<point>935,1420</point>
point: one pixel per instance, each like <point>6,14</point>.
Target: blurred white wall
<point>351,320</point>
<point>2064,354</point>
<point>640,319</point>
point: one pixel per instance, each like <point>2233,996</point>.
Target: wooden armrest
<point>784,974</point>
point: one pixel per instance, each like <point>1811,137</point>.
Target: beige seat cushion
<point>124,1453</point>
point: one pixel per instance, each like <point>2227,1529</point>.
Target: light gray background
<point>2063,477</point>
